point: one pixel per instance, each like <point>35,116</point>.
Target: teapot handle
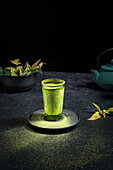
<point>98,58</point>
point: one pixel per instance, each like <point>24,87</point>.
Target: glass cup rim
<point>60,82</point>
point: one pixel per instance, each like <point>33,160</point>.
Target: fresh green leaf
<point>39,70</point>
<point>26,74</point>
<point>25,66</point>
<point>1,71</point>
<point>7,73</point>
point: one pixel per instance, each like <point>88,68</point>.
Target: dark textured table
<point>89,145</point>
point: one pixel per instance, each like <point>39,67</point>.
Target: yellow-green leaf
<point>110,109</point>
<point>40,65</point>
<point>35,64</point>
<point>107,112</point>
<point>29,68</point>
<point>16,62</point>
<point>12,69</point>
<point>25,71</point>
<point>13,73</point>
<point>95,116</point>
<point>98,108</point>
<point>20,69</point>
<point>103,113</point>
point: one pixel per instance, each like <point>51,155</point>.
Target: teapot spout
<point>95,75</point>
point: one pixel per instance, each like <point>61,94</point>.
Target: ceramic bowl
<point>18,83</point>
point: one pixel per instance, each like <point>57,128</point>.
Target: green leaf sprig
<point>100,113</point>
<point>20,70</point>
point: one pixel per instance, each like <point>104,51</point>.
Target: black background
<point>67,35</point>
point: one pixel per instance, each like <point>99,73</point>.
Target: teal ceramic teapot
<point>104,77</point>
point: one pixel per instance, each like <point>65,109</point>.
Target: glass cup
<point>53,96</point>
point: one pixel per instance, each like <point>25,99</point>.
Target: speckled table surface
<point>89,145</point>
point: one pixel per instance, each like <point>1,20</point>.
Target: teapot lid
<point>108,67</point>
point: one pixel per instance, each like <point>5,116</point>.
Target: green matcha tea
<point>53,96</point>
